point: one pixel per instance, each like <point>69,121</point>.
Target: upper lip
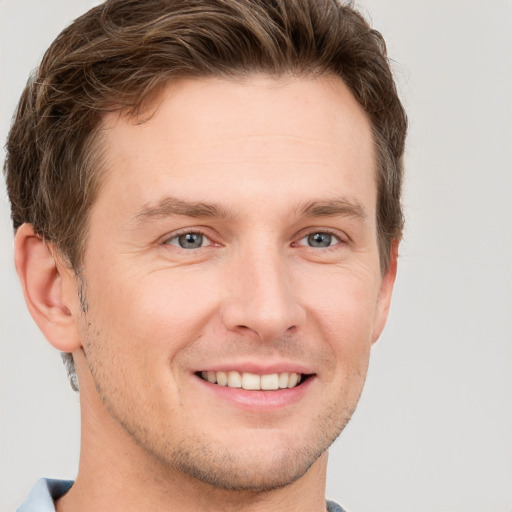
<point>259,368</point>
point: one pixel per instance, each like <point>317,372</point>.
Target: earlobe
<point>386,290</point>
<point>47,287</point>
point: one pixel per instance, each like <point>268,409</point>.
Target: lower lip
<point>259,400</point>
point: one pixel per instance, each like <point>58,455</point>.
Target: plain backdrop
<point>433,431</point>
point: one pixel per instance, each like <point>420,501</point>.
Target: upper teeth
<point>252,381</point>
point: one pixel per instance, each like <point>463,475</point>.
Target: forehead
<point>204,138</point>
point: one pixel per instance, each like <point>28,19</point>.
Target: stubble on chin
<point>241,469</point>
<point>211,460</point>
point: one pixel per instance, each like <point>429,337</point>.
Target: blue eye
<point>321,239</point>
<point>190,240</point>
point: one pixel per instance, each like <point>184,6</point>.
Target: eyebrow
<point>170,206</point>
<point>333,207</point>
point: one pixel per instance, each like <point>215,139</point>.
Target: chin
<point>265,462</point>
<point>248,472</point>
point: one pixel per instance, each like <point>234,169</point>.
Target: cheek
<point>344,313</point>
<point>155,313</point>
<point>344,300</point>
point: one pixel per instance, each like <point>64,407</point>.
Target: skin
<point>276,161</point>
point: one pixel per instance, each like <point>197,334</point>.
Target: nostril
<point>267,315</point>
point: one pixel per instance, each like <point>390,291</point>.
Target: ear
<point>49,287</point>
<point>386,290</point>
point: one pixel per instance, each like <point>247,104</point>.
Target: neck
<point>107,483</point>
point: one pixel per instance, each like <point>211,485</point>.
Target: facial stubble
<point>207,460</point>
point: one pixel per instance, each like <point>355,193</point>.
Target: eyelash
<point>169,240</point>
<point>176,237</point>
<point>338,239</point>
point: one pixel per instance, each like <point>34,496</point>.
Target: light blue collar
<point>43,494</point>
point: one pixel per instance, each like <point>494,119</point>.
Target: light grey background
<point>433,431</point>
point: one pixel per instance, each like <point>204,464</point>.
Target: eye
<point>319,239</point>
<point>189,240</point>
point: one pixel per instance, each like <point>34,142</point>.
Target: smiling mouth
<point>252,381</point>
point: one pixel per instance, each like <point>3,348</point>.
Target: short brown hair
<point>119,53</point>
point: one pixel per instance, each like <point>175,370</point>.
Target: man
<point>206,198</point>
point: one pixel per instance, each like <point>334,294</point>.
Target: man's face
<point>234,238</point>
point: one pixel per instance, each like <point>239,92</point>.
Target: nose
<point>261,296</point>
